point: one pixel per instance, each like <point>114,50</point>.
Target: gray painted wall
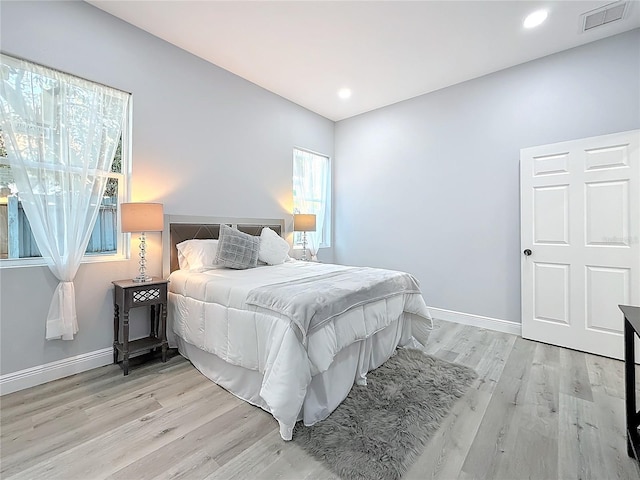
<point>440,172</point>
<point>205,142</point>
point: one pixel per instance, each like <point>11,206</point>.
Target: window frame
<point>123,249</point>
<point>325,242</point>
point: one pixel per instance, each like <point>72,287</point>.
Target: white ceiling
<point>384,51</point>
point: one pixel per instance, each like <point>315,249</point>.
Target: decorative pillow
<point>274,249</point>
<point>197,254</point>
<point>237,249</point>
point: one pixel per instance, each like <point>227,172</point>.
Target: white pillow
<point>274,249</point>
<point>197,255</point>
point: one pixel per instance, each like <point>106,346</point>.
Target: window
<point>17,243</point>
<point>312,193</point>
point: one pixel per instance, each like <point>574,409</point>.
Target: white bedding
<point>209,311</point>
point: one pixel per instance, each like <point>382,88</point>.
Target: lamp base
<point>304,246</point>
<point>142,279</point>
<point>142,272</point>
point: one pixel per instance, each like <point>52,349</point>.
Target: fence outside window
<point>16,239</point>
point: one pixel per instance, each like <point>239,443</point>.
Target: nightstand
<point>128,294</point>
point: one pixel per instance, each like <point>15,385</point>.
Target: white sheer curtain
<point>61,133</point>
<point>311,192</point>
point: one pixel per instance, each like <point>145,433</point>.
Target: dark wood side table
<point>631,328</point>
<point>128,294</point>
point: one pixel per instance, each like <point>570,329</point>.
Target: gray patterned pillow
<point>237,249</point>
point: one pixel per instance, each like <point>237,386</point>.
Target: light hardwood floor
<point>536,411</point>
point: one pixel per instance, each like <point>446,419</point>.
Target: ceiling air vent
<point>603,15</point>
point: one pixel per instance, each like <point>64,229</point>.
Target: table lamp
<point>142,218</point>
<point>304,222</point>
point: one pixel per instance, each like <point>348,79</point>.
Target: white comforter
<point>209,310</point>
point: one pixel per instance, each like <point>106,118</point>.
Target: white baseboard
<point>489,323</point>
<point>30,377</point>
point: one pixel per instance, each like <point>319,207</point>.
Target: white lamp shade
<point>304,222</point>
<point>142,217</point>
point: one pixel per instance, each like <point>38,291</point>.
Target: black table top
<point>632,314</point>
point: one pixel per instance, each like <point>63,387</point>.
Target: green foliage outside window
<point>3,150</point>
<point>111,189</point>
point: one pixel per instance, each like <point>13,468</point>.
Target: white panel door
<point>580,239</point>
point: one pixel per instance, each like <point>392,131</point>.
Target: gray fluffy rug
<point>379,430</point>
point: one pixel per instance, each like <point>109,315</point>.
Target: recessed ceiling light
<point>534,19</point>
<point>344,93</point>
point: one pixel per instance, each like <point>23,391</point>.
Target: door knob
<point>527,252</point>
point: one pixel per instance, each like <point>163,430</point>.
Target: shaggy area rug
<point>379,430</point>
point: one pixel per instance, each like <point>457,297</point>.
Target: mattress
<point>209,310</point>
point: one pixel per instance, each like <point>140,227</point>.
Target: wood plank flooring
<point>535,412</point>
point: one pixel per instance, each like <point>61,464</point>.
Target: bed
<point>291,338</point>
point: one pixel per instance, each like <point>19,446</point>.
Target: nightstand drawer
<point>146,295</point>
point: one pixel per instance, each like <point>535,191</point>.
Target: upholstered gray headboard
<point>178,228</point>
